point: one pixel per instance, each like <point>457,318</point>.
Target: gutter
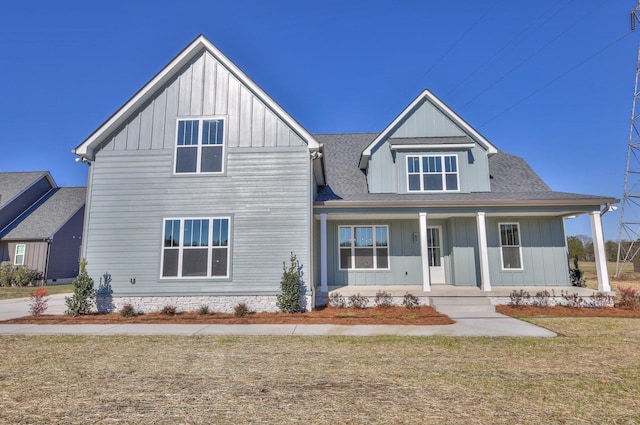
<point>464,203</point>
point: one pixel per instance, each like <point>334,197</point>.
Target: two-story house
<point>201,185</point>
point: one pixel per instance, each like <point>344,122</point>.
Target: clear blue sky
<point>545,79</point>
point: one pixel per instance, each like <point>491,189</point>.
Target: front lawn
<point>590,374</point>
<point>24,291</point>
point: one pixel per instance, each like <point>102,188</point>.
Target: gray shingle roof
<point>14,183</point>
<point>47,216</point>
<point>451,140</point>
<point>512,179</point>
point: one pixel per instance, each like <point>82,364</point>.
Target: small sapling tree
<point>291,287</point>
<point>82,300</point>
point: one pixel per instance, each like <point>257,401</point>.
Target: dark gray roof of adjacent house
<point>47,216</point>
<point>13,184</point>
<point>512,179</point>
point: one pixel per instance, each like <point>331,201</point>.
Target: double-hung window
<point>510,248</point>
<point>199,146</point>
<point>431,173</point>
<point>364,247</point>
<point>196,248</point>
<point>18,259</point>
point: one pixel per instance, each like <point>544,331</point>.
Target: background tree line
<point>584,250</point>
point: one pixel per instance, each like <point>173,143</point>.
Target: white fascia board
<point>437,146</point>
<point>426,94</point>
<point>87,147</point>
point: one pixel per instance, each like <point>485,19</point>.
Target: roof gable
<point>47,216</point>
<point>449,125</point>
<point>12,184</point>
<point>198,46</point>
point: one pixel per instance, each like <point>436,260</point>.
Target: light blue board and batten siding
<point>265,189</point>
<point>387,172</point>
<point>203,88</point>
<point>543,251</point>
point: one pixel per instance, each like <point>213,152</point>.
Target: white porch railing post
<point>424,253</point>
<point>483,252</point>
<point>598,250</point>
<point>323,254</point>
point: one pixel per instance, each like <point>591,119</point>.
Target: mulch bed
<point>336,316</point>
<point>562,311</point>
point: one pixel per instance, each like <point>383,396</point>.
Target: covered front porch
<point>469,259</point>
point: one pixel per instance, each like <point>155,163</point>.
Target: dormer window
<point>432,173</point>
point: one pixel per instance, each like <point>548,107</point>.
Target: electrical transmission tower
<point>629,231</point>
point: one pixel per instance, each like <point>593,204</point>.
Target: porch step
<point>463,306</point>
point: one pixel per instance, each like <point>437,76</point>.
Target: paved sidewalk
<point>485,324</point>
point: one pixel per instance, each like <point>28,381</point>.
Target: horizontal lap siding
<point>265,193</point>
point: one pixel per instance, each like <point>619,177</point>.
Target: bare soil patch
<point>422,315</point>
<point>563,311</point>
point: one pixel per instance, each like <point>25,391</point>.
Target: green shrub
<point>290,287</point>
<point>83,298</point>
<point>383,299</point>
<point>336,300</point>
<point>169,310</point>
<point>203,310</point>
<point>18,275</point>
<point>241,310</point>
<point>576,275</point>
<point>410,301</point>
<point>358,301</point>
<point>127,310</point>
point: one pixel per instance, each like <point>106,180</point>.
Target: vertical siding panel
<point>159,117</point>
<point>209,86</point>
<point>197,86</point>
<point>283,134</point>
<point>120,141</point>
<point>245,117</point>
<point>146,126</point>
<point>233,112</point>
<point>184,92</point>
<point>224,85</point>
<point>257,124</point>
<point>133,134</point>
<point>171,112</point>
<point>270,129</point>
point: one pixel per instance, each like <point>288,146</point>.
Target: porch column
<point>424,253</point>
<point>323,254</point>
<point>483,252</point>
<point>598,249</point>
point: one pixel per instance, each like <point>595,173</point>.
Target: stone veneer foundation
<point>219,304</point>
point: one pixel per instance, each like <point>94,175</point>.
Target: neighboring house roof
<point>47,216</point>
<point>12,184</point>
<point>513,182</point>
<point>200,44</point>
<point>426,95</point>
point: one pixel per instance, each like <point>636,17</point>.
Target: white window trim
<point>24,254</point>
<point>375,248</point>
<point>199,145</point>
<point>210,248</point>
<point>501,246</point>
<point>422,173</point>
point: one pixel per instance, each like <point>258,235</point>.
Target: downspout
<point>46,261</point>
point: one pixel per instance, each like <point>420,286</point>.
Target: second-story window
<point>199,146</point>
<point>432,173</point>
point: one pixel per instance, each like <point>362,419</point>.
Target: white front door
<point>434,252</point>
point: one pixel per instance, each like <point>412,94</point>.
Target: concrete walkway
<point>476,324</point>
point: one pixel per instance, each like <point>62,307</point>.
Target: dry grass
<point>628,278</point>
<point>591,374</point>
<point>24,291</point>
